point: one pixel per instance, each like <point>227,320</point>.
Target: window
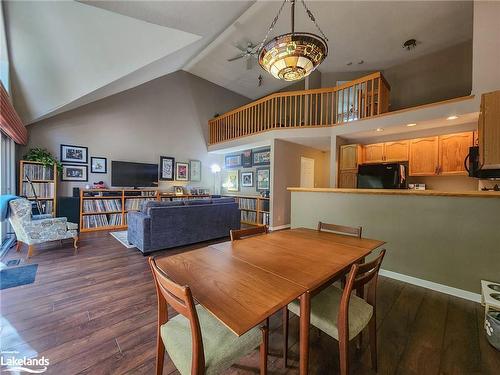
<point>7,175</point>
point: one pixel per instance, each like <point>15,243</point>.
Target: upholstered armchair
<point>32,232</point>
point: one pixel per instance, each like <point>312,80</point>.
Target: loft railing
<point>361,98</point>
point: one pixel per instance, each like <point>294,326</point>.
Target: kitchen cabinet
<point>348,157</point>
<point>424,156</point>
<point>373,153</point>
<point>348,180</point>
<point>453,149</point>
<point>489,130</point>
<point>396,151</point>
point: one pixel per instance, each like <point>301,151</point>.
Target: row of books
<point>249,216</point>
<point>135,204</point>
<point>38,172</point>
<point>102,205</point>
<point>47,206</point>
<point>248,203</point>
<point>97,221</point>
<point>265,218</point>
<point>42,189</point>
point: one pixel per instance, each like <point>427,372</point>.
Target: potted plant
<point>43,156</point>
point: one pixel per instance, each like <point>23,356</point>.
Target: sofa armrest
<point>139,230</point>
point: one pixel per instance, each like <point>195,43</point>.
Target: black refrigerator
<point>382,176</point>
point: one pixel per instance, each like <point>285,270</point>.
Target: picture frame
<point>233,180</point>
<point>246,179</point>
<point>246,159</point>
<point>74,154</point>
<point>182,171</point>
<point>262,157</point>
<point>263,179</point>
<point>167,168</point>
<point>195,170</point>
<point>75,173</point>
<point>98,164</point>
<point>232,161</point>
<point>178,190</point>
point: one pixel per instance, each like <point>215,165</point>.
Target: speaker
<point>76,192</point>
<point>69,207</point>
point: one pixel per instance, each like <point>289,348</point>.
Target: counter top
<point>479,194</point>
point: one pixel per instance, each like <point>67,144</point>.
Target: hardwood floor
<point>95,313</point>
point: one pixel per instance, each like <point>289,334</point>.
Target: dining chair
<point>238,234</point>
<point>340,229</point>
<point>195,340</point>
<point>342,315</point>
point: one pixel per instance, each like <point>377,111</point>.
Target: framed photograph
<point>246,179</point>
<point>195,170</point>
<point>246,159</point>
<point>263,179</point>
<point>167,165</point>
<point>233,161</point>
<point>262,157</point>
<point>98,165</point>
<point>182,171</point>
<point>74,172</point>
<point>74,154</point>
<point>233,180</point>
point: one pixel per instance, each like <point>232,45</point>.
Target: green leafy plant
<point>43,156</point>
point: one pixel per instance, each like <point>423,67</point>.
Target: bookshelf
<point>44,181</point>
<point>106,209</point>
<point>254,209</point>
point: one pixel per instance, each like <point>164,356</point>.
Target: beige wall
<point>286,172</point>
<point>164,117</point>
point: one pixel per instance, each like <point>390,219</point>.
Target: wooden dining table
<point>244,282</point>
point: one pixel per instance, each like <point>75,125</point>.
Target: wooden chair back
<point>341,229</point>
<point>181,300</point>
<point>238,234</point>
<point>359,276</point>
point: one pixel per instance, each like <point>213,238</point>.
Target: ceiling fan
<point>249,53</point>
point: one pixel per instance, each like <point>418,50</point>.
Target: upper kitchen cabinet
<point>373,153</point>
<point>424,156</point>
<point>453,149</point>
<point>349,156</point>
<point>489,130</point>
<point>396,151</point>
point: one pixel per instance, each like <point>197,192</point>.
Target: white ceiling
<point>73,53</point>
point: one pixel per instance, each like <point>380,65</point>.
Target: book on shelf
<point>249,216</point>
<point>37,171</point>
<point>248,203</point>
<point>102,205</point>
<point>265,218</point>
<point>42,189</point>
<point>135,204</point>
<point>102,220</point>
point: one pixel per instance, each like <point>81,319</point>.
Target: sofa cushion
<point>146,206</point>
<point>196,202</point>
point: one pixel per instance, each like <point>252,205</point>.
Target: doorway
<point>306,172</point>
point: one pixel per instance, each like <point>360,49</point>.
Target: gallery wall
<point>164,117</point>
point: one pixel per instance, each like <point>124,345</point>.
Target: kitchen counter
<point>477,194</point>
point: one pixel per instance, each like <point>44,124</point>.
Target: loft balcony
<point>362,98</point>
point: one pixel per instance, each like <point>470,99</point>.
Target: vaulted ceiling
<point>66,54</point>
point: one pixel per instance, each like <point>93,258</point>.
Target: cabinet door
<point>373,153</point>
<point>424,156</point>
<point>453,149</point>
<point>489,130</point>
<point>348,180</point>
<point>348,157</point>
<point>396,151</point>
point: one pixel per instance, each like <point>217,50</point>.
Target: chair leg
<point>31,249</point>
<point>344,357</point>
<point>264,350</point>
<point>372,326</point>
<point>285,336</point>
<point>19,245</point>
<point>75,244</point>
<point>160,354</point>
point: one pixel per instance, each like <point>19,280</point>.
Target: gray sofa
<point>162,225</point>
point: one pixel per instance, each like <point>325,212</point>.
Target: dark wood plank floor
<point>95,313</point>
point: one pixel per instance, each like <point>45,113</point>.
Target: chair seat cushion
<point>221,347</point>
<point>325,309</point>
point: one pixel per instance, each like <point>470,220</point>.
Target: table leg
<point>305,316</point>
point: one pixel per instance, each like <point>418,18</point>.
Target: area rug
<point>17,276</point>
<point>122,237</point>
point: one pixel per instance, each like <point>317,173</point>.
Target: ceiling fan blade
<point>237,57</point>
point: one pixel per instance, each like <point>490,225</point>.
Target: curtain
<point>10,123</point>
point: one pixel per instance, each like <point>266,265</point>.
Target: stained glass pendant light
<point>293,56</point>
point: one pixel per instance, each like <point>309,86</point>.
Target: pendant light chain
<point>272,25</point>
<point>311,16</point>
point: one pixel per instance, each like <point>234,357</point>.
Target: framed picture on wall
<point>167,165</point>
<point>246,159</point>
<point>262,157</point>
<point>74,154</point>
<point>232,161</point>
<point>263,179</point>
<point>233,180</point>
<point>98,165</point>
<point>246,179</point>
<point>182,171</point>
<point>74,172</point>
<point>195,170</point>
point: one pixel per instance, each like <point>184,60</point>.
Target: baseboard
<point>280,227</point>
<point>475,297</point>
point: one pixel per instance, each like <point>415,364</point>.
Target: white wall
<point>164,117</point>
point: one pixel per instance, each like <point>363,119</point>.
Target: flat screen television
<point>127,174</point>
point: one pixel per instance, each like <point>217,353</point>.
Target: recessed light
<point>380,129</point>
<point>452,117</point>
<point>412,124</point>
